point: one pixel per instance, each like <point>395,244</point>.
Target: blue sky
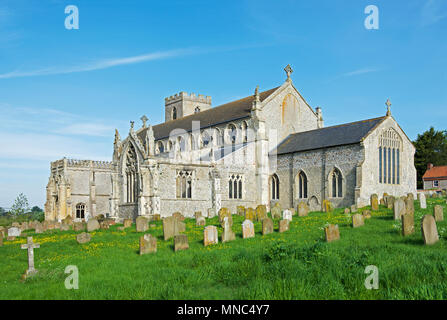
<point>62,92</point>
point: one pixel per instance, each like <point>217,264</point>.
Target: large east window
<point>390,146</point>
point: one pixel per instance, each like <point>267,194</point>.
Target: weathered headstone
<point>83,237</point>
<point>240,211</point>
<point>409,204</point>
<point>148,244</point>
<point>24,226</point>
<point>155,217</point>
<point>284,225</point>
<point>390,202</point>
<point>200,221</point>
<point>92,225</point>
<point>357,220</point>
<point>197,214</point>
<point>261,212</point>
<point>179,216</point>
<point>287,214</point>
<point>407,224</point>
<point>104,225</point>
<point>276,213</point>
<point>374,202</point>
<point>267,226</point>
<point>429,230</point>
<point>327,206</point>
<point>382,202</point>
<point>228,219</point>
<point>30,246</point>
<point>367,214</point>
<point>248,229</point>
<point>211,212</point>
<point>14,232</point>
<point>422,200</point>
<point>438,213</point>
<point>181,242</point>
<point>224,212</point>
<point>78,226</point>
<point>210,235</point>
<point>228,234</point>
<point>250,214</point>
<point>399,209</point>
<point>332,233</point>
<point>142,224</point>
<point>172,227</point>
<point>127,223</point>
<point>303,209</point>
<point>347,211</point>
<point>65,227</point>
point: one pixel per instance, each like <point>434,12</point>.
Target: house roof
<point>439,172</point>
<point>221,114</point>
<point>344,134</point>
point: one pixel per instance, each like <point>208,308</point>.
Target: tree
<point>431,147</point>
<point>2,211</point>
<point>36,209</point>
<point>20,205</point>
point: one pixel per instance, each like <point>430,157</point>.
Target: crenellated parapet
<point>185,96</point>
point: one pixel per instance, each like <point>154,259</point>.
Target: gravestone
<point>197,214</point>
<point>78,226</point>
<point>248,229</point>
<point>228,234</point>
<point>367,214</point>
<point>83,237</point>
<point>211,212</point>
<point>172,227</point>
<point>200,221</point>
<point>30,246</point>
<point>181,242</point>
<point>127,223</point>
<point>347,211</point>
<point>409,204</point>
<point>104,225</point>
<point>429,230</point>
<point>283,225</point>
<point>332,233</point>
<point>92,225</point>
<point>240,211</point>
<point>224,212</point>
<point>399,209</point>
<point>155,217</point>
<point>141,224</point>
<point>287,214</point>
<point>276,213</point>
<point>438,213</point>
<point>250,214</point>
<point>374,202</point>
<point>210,235</point>
<point>65,227</point>
<point>229,220</point>
<point>422,201</point>
<point>357,220</point>
<point>434,195</point>
<point>148,244</point>
<point>327,206</point>
<point>353,208</point>
<point>179,216</point>
<point>14,232</point>
<point>407,224</point>
<point>390,202</point>
<point>261,212</point>
<point>267,226</point>
<point>303,209</point>
<point>24,226</point>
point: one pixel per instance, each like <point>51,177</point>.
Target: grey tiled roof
<point>344,134</point>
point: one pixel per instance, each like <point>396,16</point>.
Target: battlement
<point>81,164</point>
<point>185,96</point>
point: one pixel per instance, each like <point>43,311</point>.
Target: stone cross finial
<point>288,69</point>
<point>131,124</point>
<point>144,119</point>
<point>30,246</point>
<point>257,94</point>
<point>388,105</point>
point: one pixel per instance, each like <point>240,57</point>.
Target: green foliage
<point>431,147</point>
<point>20,205</point>
<point>36,209</point>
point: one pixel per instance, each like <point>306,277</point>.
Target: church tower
<point>184,104</point>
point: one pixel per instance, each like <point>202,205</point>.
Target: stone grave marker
<point>407,224</point>
<point>148,244</point>
<point>127,223</point>
<point>240,211</point>
<point>179,216</point>
<point>83,237</point>
<point>172,227</point>
<point>332,232</point>
<point>374,202</point>
<point>267,226</point>
<point>327,206</point>
<point>210,235</point>
<point>78,226</point>
<point>224,212</point>
<point>200,221</point>
<point>229,220</point>
<point>197,214</point>
<point>303,209</point>
<point>261,212</point>
<point>390,202</point>
<point>14,232</point>
<point>228,234</point>
<point>357,220</point>
<point>422,200</point>
<point>409,204</point>
<point>248,229</point>
<point>250,214</point>
<point>92,225</point>
<point>211,212</point>
<point>353,208</point>
<point>276,213</point>
<point>438,213</point>
<point>367,214</point>
<point>347,211</point>
<point>30,246</point>
<point>429,230</point>
<point>142,224</point>
<point>284,225</point>
<point>399,209</point>
<point>287,215</point>
<point>181,242</point>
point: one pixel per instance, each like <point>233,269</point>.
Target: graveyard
<point>297,263</point>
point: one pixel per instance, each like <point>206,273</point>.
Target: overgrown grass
<point>297,264</point>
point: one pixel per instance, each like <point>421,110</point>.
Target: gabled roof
<point>231,111</point>
<point>344,134</point>
<point>439,172</point>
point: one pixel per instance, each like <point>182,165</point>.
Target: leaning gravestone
<point>250,214</point>
<point>303,209</point>
<point>267,226</point>
<point>357,220</point>
<point>409,204</point>
<point>261,212</point>
<point>14,232</point>
<point>228,234</point>
<point>284,225</point>
<point>92,225</point>
<point>422,200</point>
<point>148,244</point>
<point>399,209</point>
<point>127,223</point>
<point>248,229</point>
<point>374,202</point>
<point>83,237</point>
<point>429,230</point>
<point>332,233</point>
<point>141,224</point>
<point>276,213</point>
<point>181,242</point>
<point>287,215</point>
<point>407,224</point>
<point>438,213</point>
<point>210,236</point>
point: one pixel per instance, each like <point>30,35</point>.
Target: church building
<point>268,147</point>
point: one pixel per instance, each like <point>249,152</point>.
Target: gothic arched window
<point>80,211</point>
<point>235,186</point>
<point>336,183</point>
<point>160,147</point>
<point>274,184</point>
<point>244,131</point>
<point>390,148</point>
<point>302,185</point>
<point>184,184</point>
<point>131,174</point>
<point>174,113</point>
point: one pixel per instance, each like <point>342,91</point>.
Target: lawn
<point>297,264</point>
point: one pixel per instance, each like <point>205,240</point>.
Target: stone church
<point>269,147</point>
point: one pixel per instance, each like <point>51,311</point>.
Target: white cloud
<point>88,129</point>
<point>359,71</point>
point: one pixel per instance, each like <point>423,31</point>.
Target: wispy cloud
<point>433,11</point>
<point>100,64</point>
<point>359,72</point>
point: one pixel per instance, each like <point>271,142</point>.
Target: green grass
<point>297,264</point>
